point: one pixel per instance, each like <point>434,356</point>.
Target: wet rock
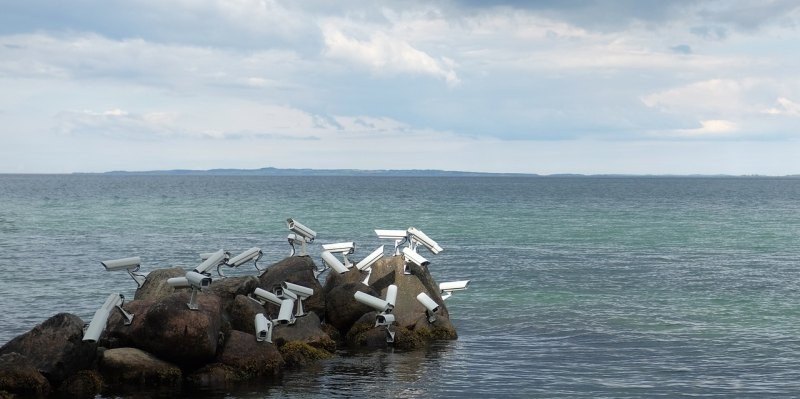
<point>298,270</point>
<point>298,354</point>
<point>306,329</point>
<point>55,347</point>
<point>83,384</point>
<point>131,366</point>
<point>118,334</point>
<point>19,376</point>
<point>155,286</point>
<point>250,358</point>
<point>173,332</point>
<point>214,375</point>
<point>343,309</point>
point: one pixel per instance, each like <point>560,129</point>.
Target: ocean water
<point>581,287</point>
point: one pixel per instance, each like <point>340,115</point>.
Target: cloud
<point>784,106</point>
<point>386,55</point>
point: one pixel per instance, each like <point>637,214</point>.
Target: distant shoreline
<point>379,173</point>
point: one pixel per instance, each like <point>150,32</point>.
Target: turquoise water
<point>582,287</point>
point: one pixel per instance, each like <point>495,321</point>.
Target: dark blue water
<point>582,287</point>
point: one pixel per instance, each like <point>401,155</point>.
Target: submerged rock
<point>55,347</point>
<point>131,366</point>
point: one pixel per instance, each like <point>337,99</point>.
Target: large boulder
<point>334,279</point>
<point>131,366</point>
<point>19,376</point>
<point>242,313</point>
<point>343,309</point>
<point>305,329</point>
<point>118,334</point>
<point>173,332</point>
<point>227,289</point>
<point>155,285</point>
<point>298,270</point>
<point>83,384</point>
<point>249,357</point>
<point>55,347</point>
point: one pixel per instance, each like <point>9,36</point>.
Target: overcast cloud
<point>538,87</point>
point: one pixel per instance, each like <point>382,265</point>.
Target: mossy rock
<point>83,384</point>
<point>298,354</point>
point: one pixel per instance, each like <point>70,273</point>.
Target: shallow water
<point>581,287</point>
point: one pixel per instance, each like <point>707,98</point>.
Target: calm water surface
<point>582,287</point>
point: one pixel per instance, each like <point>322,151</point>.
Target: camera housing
<point>130,265</point>
<point>214,259</point>
<point>263,328</point>
<point>399,236</point>
<point>295,292</point>
<point>416,236</point>
<point>385,307</point>
<point>448,287</point>
<point>411,256</point>
<point>366,263</point>
<point>95,328</point>
<point>329,260</point>
<point>431,307</point>
<point>193,280</point>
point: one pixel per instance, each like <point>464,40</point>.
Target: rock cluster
<point>169,346</point>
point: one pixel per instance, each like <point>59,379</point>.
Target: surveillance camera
<point>194,280</point>
<point>299,290</point>
<point>431,307</point>
<point>301,230</point>
<point>384,319</point>
<point>131,265</point>
<point>448,287</point>
<point>214,260</point>
<point>412,257</point>
<point>246,256</point>
<point>399,237</point>
<point>98,324</point>
<point>376,303</point>
<point>262,296</point>
<point>341,247</point>
<point>333,263</point>
<point>418,237</point>
<point>391,295</point>
<point>285,314</point>
<point>370,259</point>
<point>263,328</point>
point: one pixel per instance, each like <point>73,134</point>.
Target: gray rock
<point>155,286</point>
<point>55,347</point>
<point>19,376</point>
<point>131,366</point>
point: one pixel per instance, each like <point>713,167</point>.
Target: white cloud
<point>784,106</point>
<point>384,54</point>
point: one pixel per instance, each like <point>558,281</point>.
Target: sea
<point>581,287</point>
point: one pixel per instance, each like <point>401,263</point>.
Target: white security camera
<point>366,263</point>
<point>448,287</point>
<point>285,314</point>
<point>399,237</point>
<point>98,324</point>
<point>131,265</point>
<point>253,254</point>
<point>331,261</point>
<point>215,259</point>
<point>431,307</point>
<point>385,317</point>
<point>344,248</point>
<point>263,328</point>
<point>295,292</point>
<point>301,233</point>
<point>410,256</point>
<point>262,296</point>
<point>194,280</point>
<point>417,237</point>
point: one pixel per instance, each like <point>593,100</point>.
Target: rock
<point>298,270</point>
<point>441,329</point>
<point>242,313</point>
<point>155,286</point>
<point>298,354</point>
<point>366,335</point>
<point>19,376</point>
<point>227,289</point>
<point>334,279</point>
<point>83,384</point>
<point>131,366</point>
<point>214,375</point>
<point>173,332</point>
<point>118,334</point>
<point>305,329</point>
<point>55,347</point>
<point>249,357</point>
<point>343,309</point>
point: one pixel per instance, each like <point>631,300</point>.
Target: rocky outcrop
<point>55,347</point>
<point>19,376</point>
<point>83,384</point>
<point>242,313</point>
<point>227,289</point>
<point>249,357</point>
<point>131,366</point>
<point>298,270</point>
<point>118,334</point>
<point>155,285</point>
<point>343,310</point>
<point>306,329</point>
<point>188,338</point>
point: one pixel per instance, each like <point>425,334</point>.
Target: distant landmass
<point>310,172</point>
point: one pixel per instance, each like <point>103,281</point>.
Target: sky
<point>626,86</point>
